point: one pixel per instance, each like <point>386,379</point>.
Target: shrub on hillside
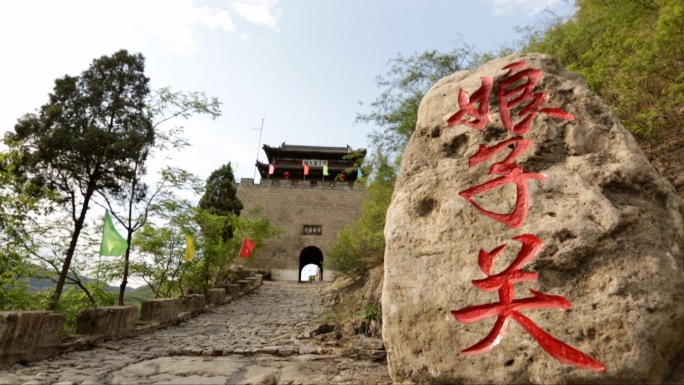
<point>360,246</point>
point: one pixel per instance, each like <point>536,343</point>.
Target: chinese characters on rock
<point>515,91</point>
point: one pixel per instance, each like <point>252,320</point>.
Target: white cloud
<point>259,12</point>
<point>527,7</point>
<point>177,25</point>
<point>175,22</point>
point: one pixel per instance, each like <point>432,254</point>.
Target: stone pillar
<point>259,279</point>
<point>243,274</point>
<point>215,296</point>
<point>163,311</point>
<point>232,291</point>
<point>245,286</point>
<point>193,304</point>
<point>113,321</point>
<point>28,335</point>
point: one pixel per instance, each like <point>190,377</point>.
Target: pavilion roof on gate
<point>308,152</point>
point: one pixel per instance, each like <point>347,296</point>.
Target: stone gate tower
<point>310,209</point>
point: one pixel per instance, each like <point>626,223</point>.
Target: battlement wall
<point>296,209</point>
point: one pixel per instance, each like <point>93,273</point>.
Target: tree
<point>161,243</point>
<point>631,52</point>
<point>162,246</point>
<point>220,194</point>
<point>219,254</point>
<point>360,246</point>
<point>220,197</point>
<point>87,138</point>
<point>220,202</point>
<point>19,202</point>
<point>130,205</point>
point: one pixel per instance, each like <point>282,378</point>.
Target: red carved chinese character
<point>508,308</point>
<point>520,93</point>
<point>510,173</point>
<point>466,105</point>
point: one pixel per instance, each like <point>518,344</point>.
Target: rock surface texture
<point>611,228</point>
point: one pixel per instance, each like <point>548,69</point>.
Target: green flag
<point>325,170</point>
<point>113,244</point>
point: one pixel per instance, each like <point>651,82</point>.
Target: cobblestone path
<point>262,338</point>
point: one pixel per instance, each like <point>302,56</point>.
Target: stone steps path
<point>262,338</point>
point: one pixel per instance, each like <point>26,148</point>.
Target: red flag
<point>247,248</point>
<point>271,169</point>
<point>306,169</point>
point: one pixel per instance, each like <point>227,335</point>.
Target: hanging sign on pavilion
<point>315,163</point>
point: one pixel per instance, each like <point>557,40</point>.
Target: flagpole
<point>261,131</point>
<point>241,246</point>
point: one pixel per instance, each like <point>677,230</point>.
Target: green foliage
<point>87,138</point>
<point>220,193</point>
<point>219,253</point>
<point>371,312</point>
<point>20,203</point>
<point>630,52</point>
<point>75,300</point>
<point>131,204</point>
<point>162,247</point>
<point>14,294</point>
<point>361,245</point>
<point>220,198</point>
<point>137,206</point>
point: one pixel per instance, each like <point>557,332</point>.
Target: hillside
<point>37,285</point>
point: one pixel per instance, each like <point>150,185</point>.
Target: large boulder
<point>612,234</point>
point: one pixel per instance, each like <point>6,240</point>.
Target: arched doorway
<point>310,255</point>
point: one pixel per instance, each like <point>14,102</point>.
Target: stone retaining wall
<point>34,335</point>
<point>163,311</point>
<point>215,296</point>
<point>193,304</point>
<point>28,335</point>
<point>114,321</point>
<point>232,291</point>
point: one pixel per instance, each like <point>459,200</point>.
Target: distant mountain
<point>39,285</point>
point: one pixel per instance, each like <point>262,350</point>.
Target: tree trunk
<point>122,289</point>
<point>129,236</point>
<point>78,226</point>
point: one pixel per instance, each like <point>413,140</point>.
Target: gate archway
<point>310,255</point>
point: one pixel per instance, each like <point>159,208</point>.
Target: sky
<point>305,68</point>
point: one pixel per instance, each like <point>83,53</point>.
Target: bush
<point>361,245</point>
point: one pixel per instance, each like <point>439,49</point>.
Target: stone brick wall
<point>331,205</point>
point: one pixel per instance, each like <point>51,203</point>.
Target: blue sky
<point>303,65</point>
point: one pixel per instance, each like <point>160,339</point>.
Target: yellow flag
<point>189,248</point>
